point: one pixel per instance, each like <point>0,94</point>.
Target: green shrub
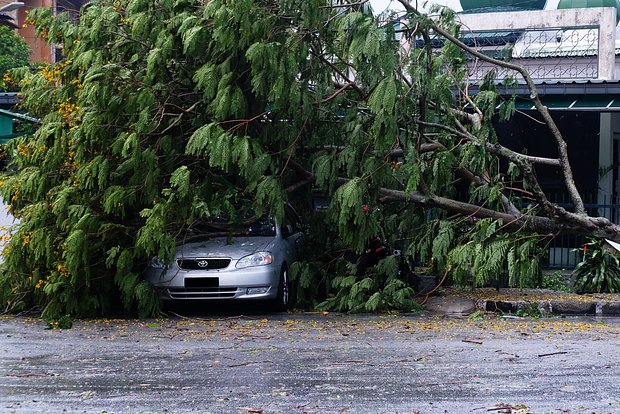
<point>381,288</point>
<point>599,271</point>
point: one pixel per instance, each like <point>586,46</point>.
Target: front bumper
<point>251,283</point>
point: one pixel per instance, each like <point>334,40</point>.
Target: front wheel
<point>281,302</point>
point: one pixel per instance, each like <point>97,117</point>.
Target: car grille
<point>203,264</point>
<point>201,293</point>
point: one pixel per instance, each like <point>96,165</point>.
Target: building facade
<point>18,10</point>
<point>572,53</point>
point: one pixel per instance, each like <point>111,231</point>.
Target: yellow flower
<point>23,150</point>
<point>16,195</point>
<point>62,270</point>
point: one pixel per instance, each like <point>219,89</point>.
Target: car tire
<point>281,301</point>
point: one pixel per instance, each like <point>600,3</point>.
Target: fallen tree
<point>164,112</point>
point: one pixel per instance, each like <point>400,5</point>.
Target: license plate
<point>202,282</point>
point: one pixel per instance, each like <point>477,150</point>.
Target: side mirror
<point>287,231</point>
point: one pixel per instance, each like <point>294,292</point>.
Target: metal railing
<point>566,250</point>
<point>546,54</point>
<point>554,53</point>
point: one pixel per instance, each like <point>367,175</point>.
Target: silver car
<point>248,261</point>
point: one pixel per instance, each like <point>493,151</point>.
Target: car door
<point>295,238</point>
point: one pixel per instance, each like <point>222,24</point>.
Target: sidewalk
<point>510,301</point>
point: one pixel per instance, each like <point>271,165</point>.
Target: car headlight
<point>255,259</point>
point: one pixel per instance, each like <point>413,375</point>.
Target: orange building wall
<point>41,51</point>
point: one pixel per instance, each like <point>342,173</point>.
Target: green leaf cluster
<point>163,113</point>
<point>599,271</point>
<point>145,128</point>
<point>382,288</point>
<point>14,53</point>
<point>479,252</point>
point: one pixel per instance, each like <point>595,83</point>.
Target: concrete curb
<point>511,301</point>
<point>556,307</point>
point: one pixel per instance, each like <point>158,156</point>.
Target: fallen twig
<point>428,295</point>
<point>504,409</point>
<point>447,383</point>
<point>244,364</point>
<point>553,353</point>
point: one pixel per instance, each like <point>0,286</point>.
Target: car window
<point>264,226</point>
<point>291,217</point>
<point>244,224</point>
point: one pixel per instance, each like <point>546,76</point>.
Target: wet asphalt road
<point>311,363</point>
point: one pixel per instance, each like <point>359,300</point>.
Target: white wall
<point>381,5</point>
<point>7,224</point>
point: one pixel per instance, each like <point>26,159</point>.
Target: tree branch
<point>497,149</point>
<point>564,221</point>
<point>567,173</point>
<point>338,92</point>
<point>340,73</point>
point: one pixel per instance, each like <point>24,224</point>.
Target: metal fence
<point>546,54</point>
<point>566,250</point>
<point>555,53</point>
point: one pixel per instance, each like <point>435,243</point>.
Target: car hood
<point>236,247</point>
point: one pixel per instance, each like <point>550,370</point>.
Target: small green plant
<point>476,316</point>
<point>556,281</point>
<point>64,322</point>
<point>530,310</point>
<point>599,271</point>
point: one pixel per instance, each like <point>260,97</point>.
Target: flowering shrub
<point>14,53</point>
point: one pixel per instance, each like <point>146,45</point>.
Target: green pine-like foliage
<point>138,139</point>
<point>165,112</point>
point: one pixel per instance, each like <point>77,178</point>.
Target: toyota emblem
<point>203,263</point>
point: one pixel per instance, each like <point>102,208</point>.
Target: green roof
<point>470,5</point>
<point>580,4</point>
<point>599,103</point>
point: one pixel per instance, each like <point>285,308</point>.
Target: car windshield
<point>245,223</point>
<point>263,226</point>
